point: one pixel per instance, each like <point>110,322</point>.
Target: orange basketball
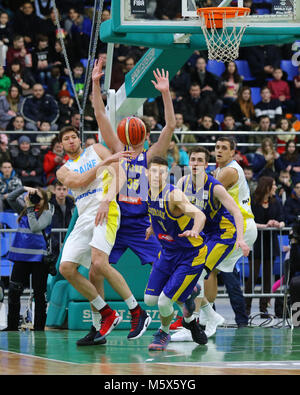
<point>131,131</point>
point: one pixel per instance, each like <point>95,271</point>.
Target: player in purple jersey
<point>177,224</point>
<point>134,212</point>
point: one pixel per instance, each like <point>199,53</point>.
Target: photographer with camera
<point>28,252</point>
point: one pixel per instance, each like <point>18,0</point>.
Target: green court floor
<point>257,347</point>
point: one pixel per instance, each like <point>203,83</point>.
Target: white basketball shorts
<point>85,235</point>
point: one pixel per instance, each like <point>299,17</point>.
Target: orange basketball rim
<point>214,16</point>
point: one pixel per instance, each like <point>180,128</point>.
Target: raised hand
<point>119,156</point>
<point>162,80</point>
<point>97,70</point>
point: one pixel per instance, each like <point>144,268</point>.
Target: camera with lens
<point>34,198</point>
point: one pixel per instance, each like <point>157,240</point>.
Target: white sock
<point>207,310</point>
<point>189,319</point>
<point>131,302</point>
<point>98,303</point>
<point>96,317</point>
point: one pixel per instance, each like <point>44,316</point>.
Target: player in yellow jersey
<point>231,175</point>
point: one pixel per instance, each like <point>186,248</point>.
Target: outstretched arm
<point>74,180</point>
<point>104,125</point>
<point>179,204</point>
<point>229,203</point>
<point>161,83</point>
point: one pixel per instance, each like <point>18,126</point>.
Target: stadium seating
<point>255,93</point>
<point>215,67</point>
<point>244,70</point>
<point>289,68</point>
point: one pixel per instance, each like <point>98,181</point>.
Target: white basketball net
<point>223,44</point>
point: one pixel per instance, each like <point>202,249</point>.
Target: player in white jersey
<point>94,185</point>
<point>231,175</point>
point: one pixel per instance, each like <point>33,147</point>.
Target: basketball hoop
<point>223,42</point>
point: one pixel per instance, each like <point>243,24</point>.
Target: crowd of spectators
<point>37,99</point>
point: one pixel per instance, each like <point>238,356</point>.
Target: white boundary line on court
<point>45,358</point>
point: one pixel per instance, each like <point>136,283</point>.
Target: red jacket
<point>50,166</point>
<point>279,88</point>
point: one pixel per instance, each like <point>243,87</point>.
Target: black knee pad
<point>15,290</point>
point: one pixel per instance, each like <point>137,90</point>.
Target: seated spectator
<point>284,186</point>
<point>4,150</point>
<point>280,90</point>
<point>63,210</point>
<point>90,122</point>
<point>241,159</point>
<point>268,106</point>
<point>129,64</point>
<point>183,138</point>
<point>264,125</point>
<point>248,171</point>
<point>43,8</point>
<point>66,108</point>
<point>27,163</point>
<point>5,35</point>
<point>18,51</point>
<point>176,158</point>
<point>75,119</point>
<point>49,28</point>
<point>243,109</point>
<point>155,126</point>
<point>45,138</point>
<point>27,24</point>
<point>21,76</point>
<point>290,161</point>
<point>150,107</point>
<point>263,160</point>
<point>40,106</point>
<point>292,206</point>
<point>41,66</point>
<point>262,60</point>
<point>55,82</point>
<point>10,106</point>
<point>78,79</point>
<point>284,125</point>
<point>229,125</point>
<point>90,140</point>
<point>178,105</point>
<point>231,83</point>
<point>181,83</point>
<point>80,32</point>
<point>53,160</point>
<point>197,105</point>
<point>8,183</point>
<point>5,82</point>
<point>207,124</point>
<point>58,59</point>
<point>296,92</point>
<point>207,80</point>
<point>16,124</point>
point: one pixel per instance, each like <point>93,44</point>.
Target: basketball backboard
<point>181,16</point>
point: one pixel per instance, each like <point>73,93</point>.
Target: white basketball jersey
<point>240,190</point>
<point>87,199</point>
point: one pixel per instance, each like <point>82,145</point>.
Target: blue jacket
<point>28,246</point>
<point>45,108</point>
